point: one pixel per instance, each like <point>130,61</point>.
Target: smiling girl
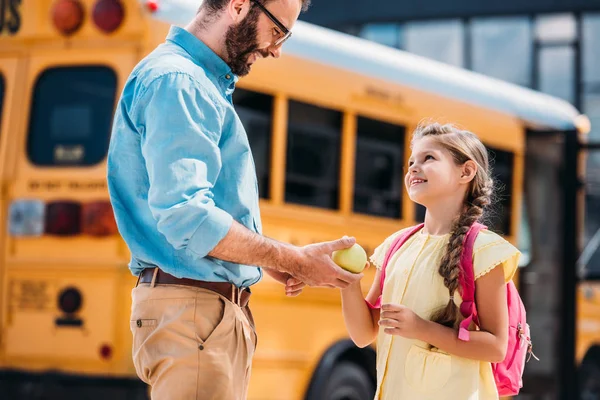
<point>419,354</point>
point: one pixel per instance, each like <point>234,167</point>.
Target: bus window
<point>313,155</point>
<point>379,180</point>
<point>502,164</point>
<point>71,116</point>
<point>255,111</point>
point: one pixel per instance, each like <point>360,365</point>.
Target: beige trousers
<point>191,343</point>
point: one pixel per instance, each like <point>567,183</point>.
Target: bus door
<point>588,266</point>
<point>548,242</point>
<point>65,261</point>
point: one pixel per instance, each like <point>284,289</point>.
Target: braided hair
<point>463,146</point>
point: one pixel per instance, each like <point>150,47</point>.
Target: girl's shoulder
<point>491,250</point>
<point>379,253</point>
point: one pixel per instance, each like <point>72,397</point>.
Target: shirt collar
<point>203,55</point>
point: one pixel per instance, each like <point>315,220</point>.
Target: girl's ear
<point>468,172</point>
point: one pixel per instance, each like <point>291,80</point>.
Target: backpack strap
<point>467,282</point>
<point>395,246</point>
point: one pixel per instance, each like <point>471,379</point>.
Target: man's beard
<point>241,41</point>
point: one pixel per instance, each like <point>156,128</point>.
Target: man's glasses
<point>280,31</point>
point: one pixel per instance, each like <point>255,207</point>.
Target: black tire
<point>589,376</point>
<point>348,381</point>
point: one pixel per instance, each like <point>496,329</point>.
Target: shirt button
<point>227,76</point>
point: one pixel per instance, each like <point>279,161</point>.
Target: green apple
<point>352,259</point>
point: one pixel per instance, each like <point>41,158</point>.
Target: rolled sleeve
<point>181,129</point>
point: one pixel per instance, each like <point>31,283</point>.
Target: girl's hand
<point>293,287</point>
<point>400,320</point>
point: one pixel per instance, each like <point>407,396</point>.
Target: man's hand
<point>310,264</point>
<point>293,286</point>
<point>313,265</point>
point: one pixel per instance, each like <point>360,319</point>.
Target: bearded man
<point>184,192</point>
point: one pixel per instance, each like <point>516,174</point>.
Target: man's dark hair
<point>215,6</point>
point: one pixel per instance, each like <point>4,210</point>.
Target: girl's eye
<point>429,157</point>
<point>410,163</point>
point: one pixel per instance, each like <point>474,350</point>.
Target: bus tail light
<point>63,218</point>
<point>26,218</point>
<point>108,15</point>
<point>67,16</point>
<point>98,219</point>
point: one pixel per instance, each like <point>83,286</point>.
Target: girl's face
<point>432,175</point>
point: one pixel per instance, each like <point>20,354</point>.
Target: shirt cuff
<point>213,229</point>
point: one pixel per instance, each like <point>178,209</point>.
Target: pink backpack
<point>507,374</point>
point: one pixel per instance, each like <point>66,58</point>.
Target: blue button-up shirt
<point>180,169</point>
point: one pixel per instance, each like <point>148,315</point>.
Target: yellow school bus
<point>329,124</point>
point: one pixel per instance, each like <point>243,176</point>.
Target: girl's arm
<point>488,344</point>
<point>361,320</point>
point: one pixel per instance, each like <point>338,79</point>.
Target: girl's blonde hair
<point>463,146</point>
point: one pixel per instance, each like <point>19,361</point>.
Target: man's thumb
<point>341,244</point>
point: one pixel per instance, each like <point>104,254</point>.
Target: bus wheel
<point>589,376</point>
<point>348,381</point>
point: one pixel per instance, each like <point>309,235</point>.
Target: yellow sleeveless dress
<point>406,369</point>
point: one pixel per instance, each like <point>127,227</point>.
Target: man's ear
<point>238,9</point>
<point>468,171</point>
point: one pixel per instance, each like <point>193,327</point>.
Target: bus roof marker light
<point>152,5</point>
<point>108,15</point>
<point>67,16</point>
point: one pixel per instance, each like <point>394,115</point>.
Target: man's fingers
<point>348,276</point>
<point>294,293</point>
<point>291,288</point>
<point>293,282</point>
<point>339,244</point>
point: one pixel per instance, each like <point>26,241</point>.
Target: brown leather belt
<point>236,295</point>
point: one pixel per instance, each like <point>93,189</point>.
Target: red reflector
<point>152,5</point>
<point>106,351</point>
<point>98,219</point>
<point>108,15</point>
<point>63,218</point>
<point>67,16</point>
